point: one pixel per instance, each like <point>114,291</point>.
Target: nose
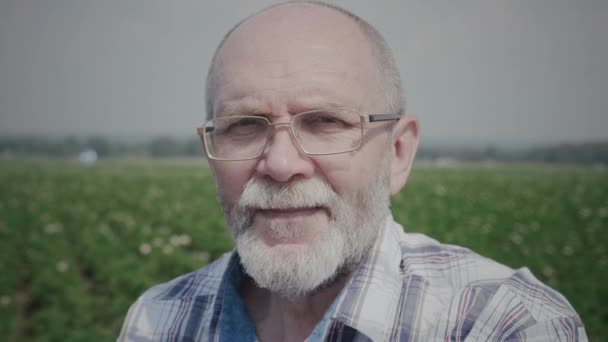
<point>282,160</point>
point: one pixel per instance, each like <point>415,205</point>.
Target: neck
<point>278,318</point>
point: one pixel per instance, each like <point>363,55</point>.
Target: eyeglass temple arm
<point>383,117</point>
<point>203,130</point>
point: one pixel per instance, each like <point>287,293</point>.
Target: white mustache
<point>265,194</point>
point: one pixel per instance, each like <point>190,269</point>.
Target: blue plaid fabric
<point>409,288</point>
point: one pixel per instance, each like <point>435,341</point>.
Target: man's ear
<point>403,147</point>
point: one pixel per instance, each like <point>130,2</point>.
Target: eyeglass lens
<point>317,132</point>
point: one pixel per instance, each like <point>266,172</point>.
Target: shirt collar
<point>235,322</point>
<point>374,286</point>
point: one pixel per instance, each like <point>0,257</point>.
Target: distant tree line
<point>105,147</point>
<point>566,153</point>
<point>579,153</point>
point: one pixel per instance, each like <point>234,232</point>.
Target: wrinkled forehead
<point>295,50</point>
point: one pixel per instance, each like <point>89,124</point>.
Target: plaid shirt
<point>410,288</point>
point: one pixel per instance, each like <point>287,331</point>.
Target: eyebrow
<point>245,105</point>
<point>314,103</point>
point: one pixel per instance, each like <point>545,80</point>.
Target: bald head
<point>300,35</point>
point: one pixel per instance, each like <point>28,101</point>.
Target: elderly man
<point>307,139</point>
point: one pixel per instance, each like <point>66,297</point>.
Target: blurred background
<point>105,191</point>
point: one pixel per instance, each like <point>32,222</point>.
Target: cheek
<point>346,175</point>
<point>231,178</point>
<point>351,174</point>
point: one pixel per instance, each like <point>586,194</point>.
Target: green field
<point>78,244</point>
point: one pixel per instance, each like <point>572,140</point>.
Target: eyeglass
<point>317,132</point>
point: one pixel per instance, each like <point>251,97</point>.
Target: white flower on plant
<point>440,190</point>
<point>185,239</point>
<point>486,228</point>
<point>516,238</point>
<point>5,300</point>
<point>168,249</point>
<point>548,271</point>
<point>175,240</point>
<point>145,248</point>
<point>62,266</point>
<point>52,228</point>
<point>180,240</point>
<point>201,256</point>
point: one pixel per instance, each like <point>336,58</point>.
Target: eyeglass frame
<point>365,118</point>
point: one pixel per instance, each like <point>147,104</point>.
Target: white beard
<point>333,252</point>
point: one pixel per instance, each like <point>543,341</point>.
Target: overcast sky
<point>516,71</point>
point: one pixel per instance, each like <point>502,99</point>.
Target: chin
<point>290,234</point>
<point>292,269</point>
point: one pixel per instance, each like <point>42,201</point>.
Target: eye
<point>324,119</point>
<point>241,126</point>
<point>248,122</point>
<point>326,122</point>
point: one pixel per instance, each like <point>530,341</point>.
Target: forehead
<point>294,54</point>
<point>293,102</point>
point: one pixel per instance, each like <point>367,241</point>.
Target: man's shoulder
<point>203,282</point>
<point>482,294</point>
<point>176,309</point>
<point>458,270</point>
<point>457,266</point>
